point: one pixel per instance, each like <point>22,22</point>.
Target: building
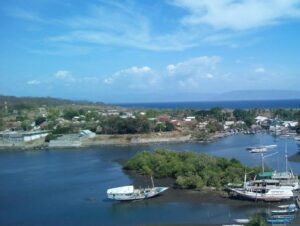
<point>20,137</point>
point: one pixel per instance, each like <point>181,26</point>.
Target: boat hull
<point>272,196</point>
<point>136,194</point>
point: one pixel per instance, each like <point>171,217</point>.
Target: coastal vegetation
<point>189,169</point>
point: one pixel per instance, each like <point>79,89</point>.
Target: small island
<point>190,170</point>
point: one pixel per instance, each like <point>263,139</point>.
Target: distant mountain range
<point>39,101</point>
<point>237,95</point>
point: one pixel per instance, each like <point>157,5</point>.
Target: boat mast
<point>263,158</point>
<point>286,157</point>
<point>152,181</point>
<point>262,162</point>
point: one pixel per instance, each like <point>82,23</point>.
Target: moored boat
<point>127,193</point>
<point>288,209</point>
<point>131,193</point>
<point>264,190</point>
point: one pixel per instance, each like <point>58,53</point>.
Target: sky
<point>141,51</point>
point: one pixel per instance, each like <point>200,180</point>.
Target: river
<point>68,187</point>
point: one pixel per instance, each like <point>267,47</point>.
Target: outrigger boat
<point>127,193</point>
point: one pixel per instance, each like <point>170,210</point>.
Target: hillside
<point>33,102</point>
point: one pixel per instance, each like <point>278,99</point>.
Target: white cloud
<point>64,75</point>
<point>135,70</point>
<point>208,75</point>
<point>198,65</point>
<point>33,82</point>
<point>130,75</point>
<point>260,70</point>
<point>123,23</point>
<point>237,15</point>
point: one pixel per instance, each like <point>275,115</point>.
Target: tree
<point>40,120</point>
<point>26,125</point>
<point>70,113</point>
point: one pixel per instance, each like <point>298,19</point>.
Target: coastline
<point>113,140</point>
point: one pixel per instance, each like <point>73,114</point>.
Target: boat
<point>287,209</point>
<point>257,150</point>
<point>263,190</point>
<point>242,221</point>
<point>285,178</point>
<point>261,149</point>
<point>126,193</point>
<point>280,219</point>
<point>271,146</point>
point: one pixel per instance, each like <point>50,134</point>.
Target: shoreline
<point>114,140</point>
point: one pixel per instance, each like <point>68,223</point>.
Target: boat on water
<point>127,193</point>
<point>242,221</point>
<point>258,150</point>
<point>280,219</point>
<point>285,178</point>
<point>284,210</point>
<point>264,190</point>
<point>261,149</point>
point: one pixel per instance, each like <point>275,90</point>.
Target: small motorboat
<point>242,221</point>
<point>287,209</point>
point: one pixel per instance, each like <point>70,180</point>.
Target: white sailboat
<point>126,193</point>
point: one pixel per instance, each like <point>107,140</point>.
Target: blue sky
<point>160,50</point>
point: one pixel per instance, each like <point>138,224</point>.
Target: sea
<point>245,104</point>
<point>68,186</point>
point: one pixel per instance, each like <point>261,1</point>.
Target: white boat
<point>264,190</point>
<point>242,221</point>
<point>288,209</point>
<point>130,193</point>
<point>285,178</point>
<point>258,150</point>
<point>264,194</point>
<point>271,146</point>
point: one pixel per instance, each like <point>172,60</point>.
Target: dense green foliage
<point>248,116</point>
<point>117,125</point>
<point>287,114</point>
<point>191,170</point>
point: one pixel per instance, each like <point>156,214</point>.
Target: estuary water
<point>68,187</point>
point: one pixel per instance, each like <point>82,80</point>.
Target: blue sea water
<point>68,187</point>
<point>245,104</point>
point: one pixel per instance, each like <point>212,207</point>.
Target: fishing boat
<point>126,193</point>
